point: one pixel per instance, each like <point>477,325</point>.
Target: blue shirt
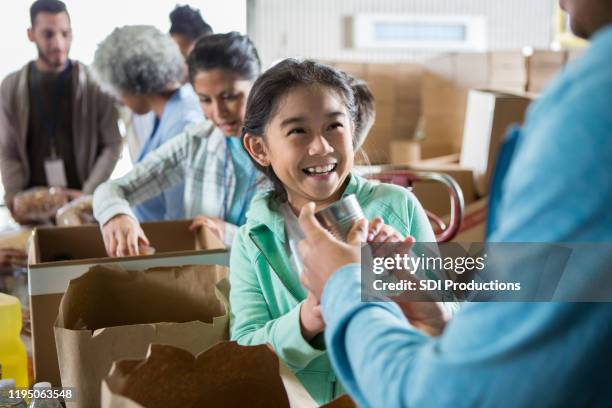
<point>182,109</point>
<point>246,175</point>
<point>557,189</point>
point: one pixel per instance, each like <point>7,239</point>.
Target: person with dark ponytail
<point>186,27</point>
<point>208,157</point>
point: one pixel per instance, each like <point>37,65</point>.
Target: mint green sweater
<point>266,294</point>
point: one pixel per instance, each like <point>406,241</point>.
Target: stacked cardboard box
<point>574,53</point>
<point>508,71</point>
<point>444,92</point>
<point>396,89</point>
<point>542,67</point>
<point>489,114</point>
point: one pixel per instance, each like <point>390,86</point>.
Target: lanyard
<point>244,202</point>
<point>50,121</point>
<point>225,182</point>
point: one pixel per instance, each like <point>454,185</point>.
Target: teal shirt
<point>266,293</point>
<point>246,175</point>
<point>514,354</point>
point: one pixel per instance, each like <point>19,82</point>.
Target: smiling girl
<point>299,130</point>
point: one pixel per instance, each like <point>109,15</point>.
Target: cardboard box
<point>356,70</point>
<point>62,254</point>
<point>432,150</point>
<point>444,100</point>
<point>405,151</point>
<point>473,225</point>
<point>443,112</point>
<point>472,70</point>
<point>443,135</point>
<point>543,66</point>
<point>443,65</point>
<point>507,68</point>
<point>575,53</point>
<point>466,70</point>
<point>489,114</point>
<point>407,116</point>
<point>434,196</point>
<point>409,78</point>
<point>383,89</point>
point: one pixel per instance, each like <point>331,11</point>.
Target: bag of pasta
<point>39,205</point>
<point>76,212</point>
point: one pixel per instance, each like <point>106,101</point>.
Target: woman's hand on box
<point>123,236</point>
<point>216,225</point>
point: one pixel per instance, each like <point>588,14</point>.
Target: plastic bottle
<point>12,351</point>
<point>43,402</point>
<point>5,401</point>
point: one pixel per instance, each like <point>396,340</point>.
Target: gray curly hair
<point>138,60</point>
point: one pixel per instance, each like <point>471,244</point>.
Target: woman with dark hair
<point>208,157</point>
<point>186,27</point>
<point>144,68</point>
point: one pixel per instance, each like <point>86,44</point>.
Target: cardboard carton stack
<point>396,88</point>
<point>542,66</point>
<point>489,115</point>
<point>444,97</point>
<point>508,71</point>
<point>574,53</point>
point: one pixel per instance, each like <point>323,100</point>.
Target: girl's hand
<point>123,236</point>
<point>322,254</point>
<point>216,225</point>
<point>380,232</point>
<point>311,319</point>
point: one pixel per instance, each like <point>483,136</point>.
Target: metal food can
<point>339,217</point>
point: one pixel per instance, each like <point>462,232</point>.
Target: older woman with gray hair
<point>145,69</point>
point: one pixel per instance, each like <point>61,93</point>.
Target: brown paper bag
<point>226,375</point>
<point>111,314</point>
<point>343,402</point>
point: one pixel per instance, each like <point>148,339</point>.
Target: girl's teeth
<point>320,169</point>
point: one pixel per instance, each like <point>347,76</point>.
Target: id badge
<point>56,173</point>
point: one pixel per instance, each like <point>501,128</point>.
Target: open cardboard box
<point>58,255</point>
<point>489,115</point>
<point>434,197</point>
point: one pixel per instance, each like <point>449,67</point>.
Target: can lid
<point>7,384</point>
<point>42,385</point>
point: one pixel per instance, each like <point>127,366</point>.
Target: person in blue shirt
<point>145,68</point>
<point>557,189</point>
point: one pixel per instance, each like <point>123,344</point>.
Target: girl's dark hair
<point>188,22</point>
<point>275,83</point>
<point>229,51</point>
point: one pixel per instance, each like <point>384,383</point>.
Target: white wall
<point>315,28</point>
<point>93,20</point>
